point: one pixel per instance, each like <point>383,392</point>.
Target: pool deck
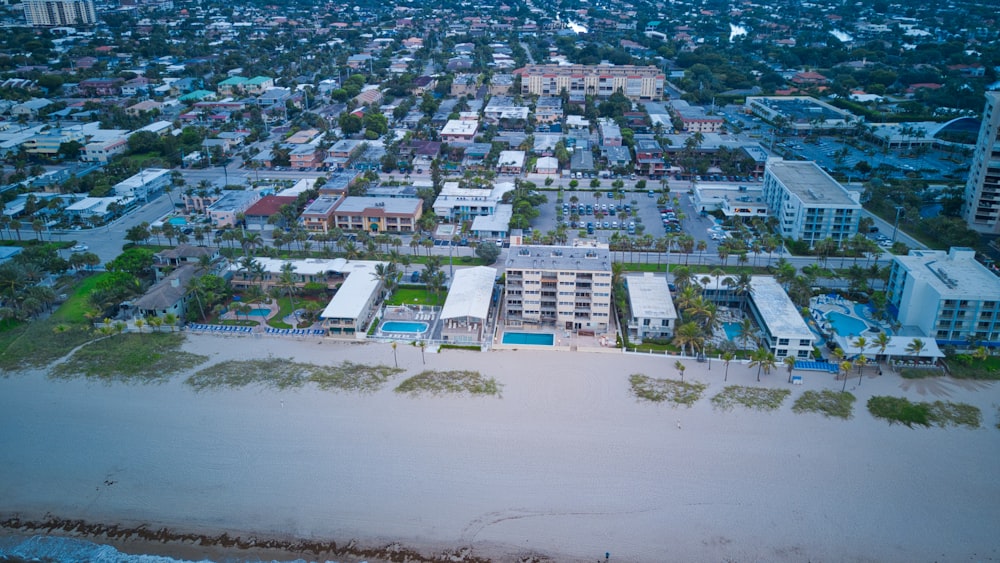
<point>820,305</point>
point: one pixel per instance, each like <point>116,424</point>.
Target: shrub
<point>826,402</point>
<point>666,390</point>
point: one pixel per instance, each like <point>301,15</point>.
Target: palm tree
<point>689,334</point>
<point>743,288</point>
<point>394,359</point>
<point>727,357</point>
<point>915,347</point>
<point>763,359</point>
<point>422,345</point>
<point>680,369</point>
<point>881,342</point>
<point>745,332</point>
<point>845,368</point>
<point>861,342</point>
<point>287,279</point>
<point>789,362</point>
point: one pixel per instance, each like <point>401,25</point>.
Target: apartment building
<point>981,208</point>
<point>561,286</point>
<point>53,13</point>
<point>948,296</point>
<point>809,204</point>
<point>378,215</point>
<point>636,82</point>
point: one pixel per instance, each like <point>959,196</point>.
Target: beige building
<point>561,286</point>
<point>49,13</point>
<point>636,82</point>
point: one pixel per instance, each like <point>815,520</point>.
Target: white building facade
<point>809,204</point>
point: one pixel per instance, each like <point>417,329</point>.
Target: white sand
<point>566,463</point>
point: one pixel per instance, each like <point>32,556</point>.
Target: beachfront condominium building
<point>809,205</point>
<point>948,296</point>
<point>562,286</point>
<point>579,81</point>
<point>54,13</point>
<point>981,208</point>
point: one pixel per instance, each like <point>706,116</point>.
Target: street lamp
<point>895,227</point>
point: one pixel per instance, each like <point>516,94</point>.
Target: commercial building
<point>801,114</point>
<point>695,119</point>
<point>318,215</point>
<point>651,310</point>
<point>809,204</point>
<point>981,208</point>
<point>54,13</point>
<point>579,81</point>
<point>561,286</point>
<point>947,296</point>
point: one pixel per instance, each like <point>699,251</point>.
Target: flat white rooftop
<point>470,293</point>
<point>810,183</point>
<point>781,316</point>
<point>953,274</point>
<point>649,296</point>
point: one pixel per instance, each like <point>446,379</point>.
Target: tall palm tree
<point>845,368</point>
<point>764,360</point>
<point>861,342</point>
<point>727,357</point>
<point>789,362</point>
<point>745,331</point>
<point>882,343</point>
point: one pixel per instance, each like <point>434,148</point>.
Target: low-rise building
<point>466,311</point>
<point>378,215</point>
<point>258,216</point>
<point>651,309</point>
<point>459,131</point>
<point>144,184</point>
<point>456,204</point>
<point>511,162</point>
<point>225,211</point>
<point>318,215</point>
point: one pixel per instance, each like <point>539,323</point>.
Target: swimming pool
<point>404,326</point>
<point>537,339</point>
<point>732,331</point>
<point>259,312</point>
<point>177,221</point>
<point>845,325</point>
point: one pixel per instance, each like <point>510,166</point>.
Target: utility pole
<point>895,227</point>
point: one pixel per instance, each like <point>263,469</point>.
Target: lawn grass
<point>938,413</point>
<point>666,390</point>
<point>458,381</point>
<point>410,296</point>
<point>757,398</point>
<point>828,403</point>
<point>284,309</point>
<point>280,373</point>
<point>76,307</point>
<point>130,358</point>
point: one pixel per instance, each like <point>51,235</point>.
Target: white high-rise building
<point>809,205</point>
<point>50,13</point>
<point>981,209</point>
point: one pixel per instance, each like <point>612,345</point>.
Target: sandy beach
<point>567,464</point>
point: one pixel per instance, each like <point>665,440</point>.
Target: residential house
<point>258,215</point>
<point>378,215</point>
<point>459,131</point>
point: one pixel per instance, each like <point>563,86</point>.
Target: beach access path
<point>567,463</point>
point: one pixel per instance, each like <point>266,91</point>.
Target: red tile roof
<point>269,205</point>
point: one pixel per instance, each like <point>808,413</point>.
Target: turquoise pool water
<point>732,331</point>
<point>259,312</point>
<point>845,325</point>
<point>177,221</point>
<point>404,326</point>
<point>528,338</point>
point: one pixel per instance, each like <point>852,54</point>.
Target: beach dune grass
<point>455,381</point>
<point>829,403</point>
<point>666,390</point>
<point>40,342</point>
<point>130,358</point>
<point>281,373</point>
<point>757,398</point>
<point>938,413</point>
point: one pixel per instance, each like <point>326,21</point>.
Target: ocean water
<point>50,549</point>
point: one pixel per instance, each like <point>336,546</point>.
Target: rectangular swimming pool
<point>533,338</point>
<point>404,326</point>
<point>259,312</point>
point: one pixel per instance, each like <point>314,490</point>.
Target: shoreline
<point>224,546</point>
<point>565,466</point>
